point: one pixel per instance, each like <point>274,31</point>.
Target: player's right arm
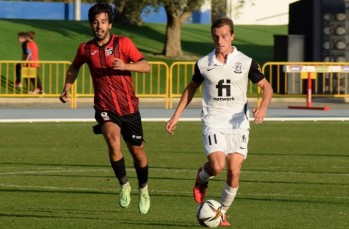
<point>72,73</point>
<point>186,98</point>
<point>70,78</point>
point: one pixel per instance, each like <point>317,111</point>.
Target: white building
<point>261,12</point>
<point>256,12</point>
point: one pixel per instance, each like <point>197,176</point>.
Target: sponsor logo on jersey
<point>136,137</point>
<point>209,68</point>
<point>109,51</point>
<point>105,116</point>
<point>238,68</point>
<point>94,52</point>
<point>224,86</point>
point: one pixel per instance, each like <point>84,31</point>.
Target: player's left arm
<point>139,66</point>
<point>259,113</point>
<point>256,76</point>
<point>134,59</point>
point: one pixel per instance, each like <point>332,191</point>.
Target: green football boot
<point>144,200</point>
<point>125,195</point>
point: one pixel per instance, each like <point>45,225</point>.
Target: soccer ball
<point>209,213</point>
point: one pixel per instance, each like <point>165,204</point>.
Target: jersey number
<point>213,138</point>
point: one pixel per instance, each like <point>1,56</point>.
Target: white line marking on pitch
<point>52,171</point>
<point>63,120</point>
<point>155,169</point>
<point>159,191</point>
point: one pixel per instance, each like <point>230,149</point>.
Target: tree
<point>177,12</point>
<point>129,12</point>
<point>228,8</point>
<point>218,9</point>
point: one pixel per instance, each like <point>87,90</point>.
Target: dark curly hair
<point>101,8</point>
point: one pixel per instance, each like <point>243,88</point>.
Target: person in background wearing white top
<point>224,74</point>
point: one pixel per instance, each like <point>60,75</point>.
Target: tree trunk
<point>172,47</point>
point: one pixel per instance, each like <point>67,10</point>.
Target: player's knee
<point>217,168</point>
<point>115,155</point>
<point>138,154</point>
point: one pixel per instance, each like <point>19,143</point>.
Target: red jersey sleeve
<point>80,57</point>
<point>128,51</point>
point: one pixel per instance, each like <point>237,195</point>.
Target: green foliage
<point>57,175</point>
<point>129,12</point>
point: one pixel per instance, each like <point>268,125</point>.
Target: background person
<point>33,55</point>
<point>22,40</point>
<point>224,74</point>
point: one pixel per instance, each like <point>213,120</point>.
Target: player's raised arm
<point>186,98</point>
<point>70,78</point>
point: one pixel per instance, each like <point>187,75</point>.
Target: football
<point>209,213</point>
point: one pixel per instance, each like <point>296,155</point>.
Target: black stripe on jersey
<point>197,77</point>
<point>116,48</point>
<point>245,111</point>
<point>102,58</point>
<point>254,74</point>
<point>209,140</point>
<point>88,54</point>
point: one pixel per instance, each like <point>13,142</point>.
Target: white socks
<point>204,177</point>
<point>228,196</point>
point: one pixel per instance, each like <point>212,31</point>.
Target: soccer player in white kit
<point>224,75</point>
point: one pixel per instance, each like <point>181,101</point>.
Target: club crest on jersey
<point>105,116</point>
<point>109,51</point>
<point>238,68</point>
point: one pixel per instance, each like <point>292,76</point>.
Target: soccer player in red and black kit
<point>111,59</point>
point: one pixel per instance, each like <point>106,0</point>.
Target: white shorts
<point>228,143</point>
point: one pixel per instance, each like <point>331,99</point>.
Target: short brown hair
<point>222,21</point>
<point>31,34</point>
<point>21,34</point>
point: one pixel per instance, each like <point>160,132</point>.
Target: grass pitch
<point>57,175</point>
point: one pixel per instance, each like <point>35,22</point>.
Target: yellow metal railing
<point>153,84</point>
<point>289,78</point>
<point>328,78</point>
<point>50,73</point>
<point>180,76</point>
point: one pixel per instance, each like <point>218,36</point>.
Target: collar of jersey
<point>102,46</point>
<point>212,61</point>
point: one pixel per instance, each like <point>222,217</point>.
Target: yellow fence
<point>51,74</point>
<point>153,84</point>
<point>291,78</point>
<point>167,83</point>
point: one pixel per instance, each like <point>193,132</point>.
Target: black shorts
<point>130,125</point>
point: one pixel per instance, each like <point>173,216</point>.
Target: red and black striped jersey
<point>114,89</point>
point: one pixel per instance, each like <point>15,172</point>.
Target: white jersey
<point>224,96</point>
